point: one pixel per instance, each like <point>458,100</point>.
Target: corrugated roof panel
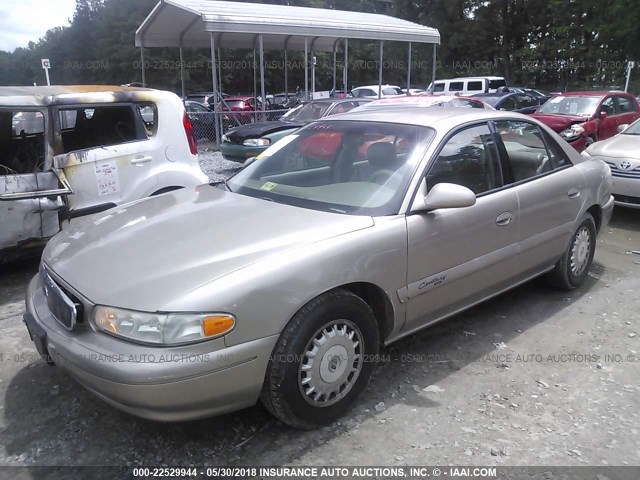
<point>175,23</point>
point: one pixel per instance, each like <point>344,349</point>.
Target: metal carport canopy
<point>189,23</point>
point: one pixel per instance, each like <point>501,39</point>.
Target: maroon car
<point>242,107</point>
<point>582,118</point>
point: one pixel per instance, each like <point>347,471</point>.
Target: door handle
<point>573,193</point>
<point>139,160</point>
<point>504,219</point>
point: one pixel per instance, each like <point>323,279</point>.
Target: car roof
<point>445,117</point>
<point>601,93</point>
<point>69,94</point>
<point>375,86</point>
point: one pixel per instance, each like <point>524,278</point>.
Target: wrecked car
<point>67,151</point>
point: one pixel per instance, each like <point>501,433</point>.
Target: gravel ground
<point>218,168</point>
<point>533,377</point>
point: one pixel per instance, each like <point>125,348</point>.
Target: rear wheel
<point>319,365</point>
<point>572,269</point>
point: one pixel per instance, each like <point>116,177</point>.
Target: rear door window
<point>22,146</point>
<point>527,150</point>
<point>100,126</point>
<point>456,86</point>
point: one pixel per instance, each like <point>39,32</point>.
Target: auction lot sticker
<point>107,179</point>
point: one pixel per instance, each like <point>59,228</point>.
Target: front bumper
<point>239,153</point>
<point>157,383</point>
<point>607,211</point>
<point>626,191</point>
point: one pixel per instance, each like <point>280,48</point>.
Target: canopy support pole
<point>380,70</point>
<point>286,72</point>
<point>214,84</point>
<point>306,69</point>
<point>144,82</point>
<point>409,72</point>
<point>182,73</point>
<point>262,92</point>
<point>335,71</point>
<point>345,71</point>
<point>433,67</point>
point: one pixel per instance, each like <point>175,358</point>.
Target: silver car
<point>285,282</point>
<point>622,154</point>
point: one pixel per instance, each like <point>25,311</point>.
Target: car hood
<point>257,130</point>
<point>147,254</point>
<point>559,123</point>
<point>619,146</point>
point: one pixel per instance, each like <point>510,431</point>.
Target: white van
<point>466,85</point>
<point>68,151</point>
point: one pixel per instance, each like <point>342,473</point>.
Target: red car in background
<point>583,118</point>
<point>242,108</point>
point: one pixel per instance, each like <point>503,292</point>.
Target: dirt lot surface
<point>533,377</point>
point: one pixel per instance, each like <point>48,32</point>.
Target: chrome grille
<point>63,308</point>
<point>618,172</point>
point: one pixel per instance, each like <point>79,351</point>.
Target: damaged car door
<point>30,189</point>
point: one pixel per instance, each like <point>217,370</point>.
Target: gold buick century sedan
<point>283,283</point>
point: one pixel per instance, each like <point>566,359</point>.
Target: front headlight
<point>162,328</point>
<point>257,142</point>
<point>572,133</point>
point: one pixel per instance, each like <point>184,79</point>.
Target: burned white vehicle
<point>66,151</point>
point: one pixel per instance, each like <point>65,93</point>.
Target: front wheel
<point>572,269</point>
<point>321,361</point>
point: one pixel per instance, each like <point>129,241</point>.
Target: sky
<point>22,21</point>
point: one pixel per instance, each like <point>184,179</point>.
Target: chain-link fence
<point>205,123</point>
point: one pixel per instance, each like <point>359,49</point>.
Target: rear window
<point>497,83</point>
<point>391,91</point>
<point>234,103</point>
<point>100,126</point>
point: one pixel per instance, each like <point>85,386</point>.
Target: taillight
<point>188,129</point>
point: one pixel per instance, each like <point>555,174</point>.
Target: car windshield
<point>491,100</point>
<point>349,167</point>
<point>309,112</point>
<point>391,91</point>
<point>234,103</point>
<point>576,106</point>
<point>633,129</point>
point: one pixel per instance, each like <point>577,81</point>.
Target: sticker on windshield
<point>268,186</point>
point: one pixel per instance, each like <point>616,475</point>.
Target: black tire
<point>573,267</point>
<point>590,141</point>
<point>284,391</point>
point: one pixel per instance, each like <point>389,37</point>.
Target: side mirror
<point>603,115</point>
<point>622,127</point>
<point>443,195</point>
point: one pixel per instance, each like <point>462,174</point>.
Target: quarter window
<point>527,152</point>
<point>470,159</point>
<point>475,86</point>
